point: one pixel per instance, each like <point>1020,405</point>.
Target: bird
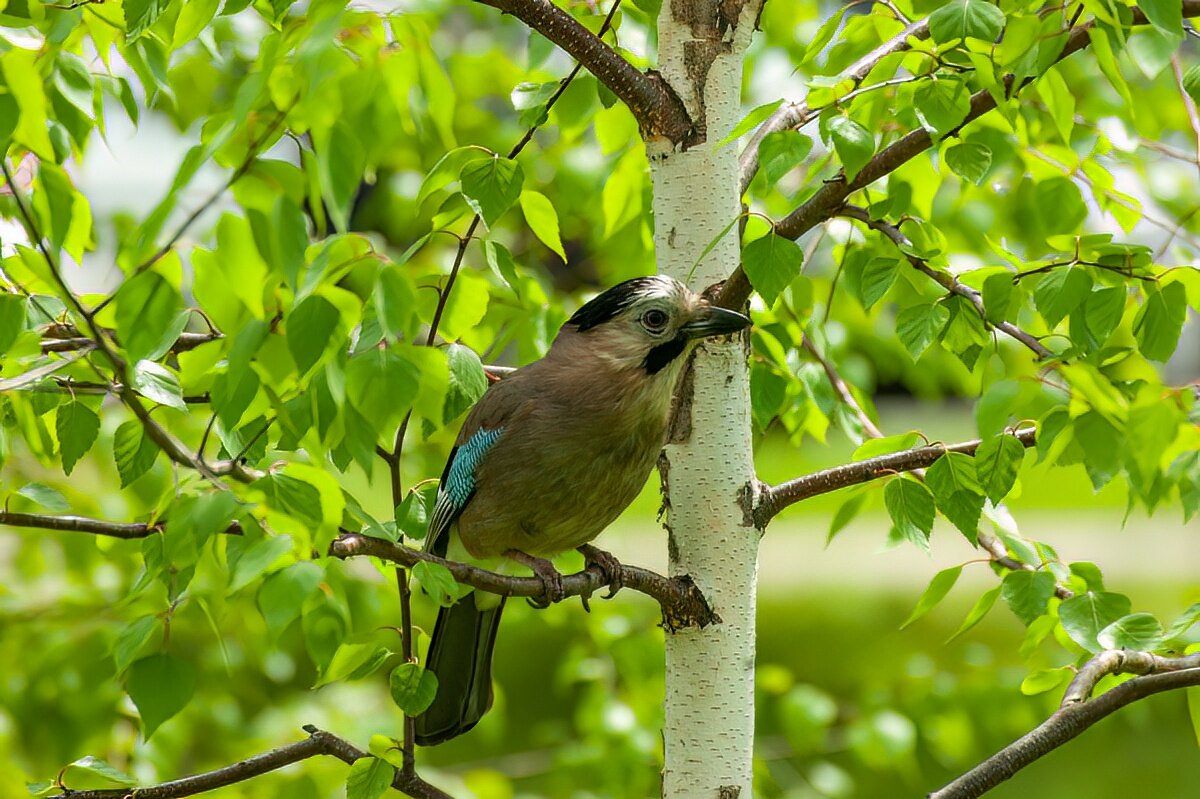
<point>547,458</point>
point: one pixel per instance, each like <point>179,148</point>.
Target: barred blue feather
<point>458,485</point>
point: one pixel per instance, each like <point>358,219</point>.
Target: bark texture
<point>708,468</point>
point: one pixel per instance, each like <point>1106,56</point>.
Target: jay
<point>547,458</point>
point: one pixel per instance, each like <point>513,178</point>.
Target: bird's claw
<point>613,571</point>
<point>552,580</point>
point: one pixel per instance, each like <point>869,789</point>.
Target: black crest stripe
<point>608,304</point>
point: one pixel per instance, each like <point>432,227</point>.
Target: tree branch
<point>773,499</point>
<point>682,603</point>
<point>64,338</point>
<point>658,110</point>
<point>946,280</point>
<point>319,742</point>
<point>82,524</point>
<point>796,115</point>
<point>1077,713</point>
<point>830,197</point>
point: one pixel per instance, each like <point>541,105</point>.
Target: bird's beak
<point>709,320</point>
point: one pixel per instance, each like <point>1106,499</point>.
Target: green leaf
<point>491,186</point>
<point>1191,84</point>
<point>996,464</point>
<point>978,611</point>
<point>957,492</point>
<point>911,507</point>
<point>1039,682</point>
<point>854,144</point>
<point>160,686</point>
<point>77,426</point>
<point>12,320</point>
<point>750,121</point>
<point>877,277</point>
<point>934,593</point>
<point>942,105</point>
<point>439,583</point>
<point>140,15</point>
<point>1084,616</point>
<point>997,296</point>
<point>232,392</point>
<point>501,261</point>
<point>49,498</point>
<point>255,560</point>
<point>1160,321</point>
<point>150,317</point>
<point>353,660</point>
<point>1059,205</point>
<point>133,450</point>
<point>1060,292</point>
<point>874,447</point>
<point>1103,310</point>
<point>1164,15</point>
<point>93,774</point>
<point>960,19</point>
<point>919,325</point>
<point>310,327</point>
<point>781,152</point>
<point>133,641</point>
<point>1193,700</point>
<point>396,301</point>
<point>1138,631</point>
<point>294,497</point>
<point>970,161</point>
<point>467,380</point>
<point>1185,621</point>
<point>283,593</point>
<point>157,383</point>
<point>845,514</point>
<point>369,778</point>
<point>772,263</point>
<point>382,384</point>
<point>1027,593</point>
<point>413,688</point>
<point>542,220</point>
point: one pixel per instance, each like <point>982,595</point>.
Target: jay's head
<point>648,323</point>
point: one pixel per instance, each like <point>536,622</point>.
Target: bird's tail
<point>460,655</point>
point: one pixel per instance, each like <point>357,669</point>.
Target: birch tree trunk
<point>707,467</point>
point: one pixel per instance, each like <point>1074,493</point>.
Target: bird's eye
<point>654,320</point>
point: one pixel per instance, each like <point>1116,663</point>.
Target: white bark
<point>709,468</point>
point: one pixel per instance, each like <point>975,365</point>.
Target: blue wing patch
<point>458,484</point>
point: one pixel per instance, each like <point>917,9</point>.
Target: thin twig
<point>796,115</point>
<point>773,499</point>
<point>1077,714</point>
<point>82,524</point>
<point>946,280</point>
<point>319,742</point>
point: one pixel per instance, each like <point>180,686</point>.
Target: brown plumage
<point>550,456</point>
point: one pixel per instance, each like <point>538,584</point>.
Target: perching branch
<point>658,110</point>
<point>946,280</point>
<point>773,499</point>
<point>683,605</point>
<point>1078,712</point>
<point>831,196</point>
<point>318,743</point>
<point>796,115</point>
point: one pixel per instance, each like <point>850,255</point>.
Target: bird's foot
<point>552,581</point>
<point>614,572</point>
